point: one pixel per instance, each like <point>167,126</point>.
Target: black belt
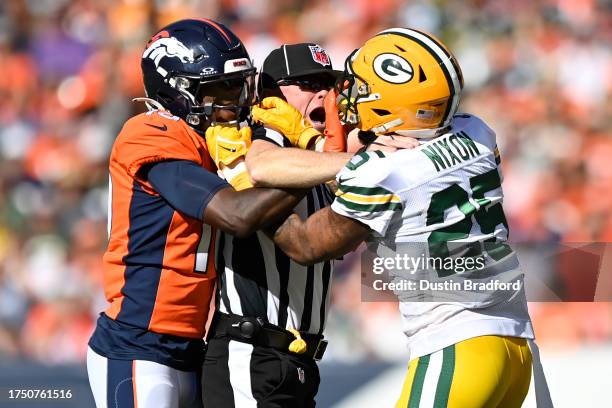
<point>255,331</point>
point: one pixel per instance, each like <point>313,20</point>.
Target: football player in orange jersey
<point>165,205</point>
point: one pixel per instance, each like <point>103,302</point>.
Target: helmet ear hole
<point>381,112</point>
<point>422,76</point>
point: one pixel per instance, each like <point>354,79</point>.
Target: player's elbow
<point>303,256</point>
<point>245,231</point>
<point>234,223</point>
<point>296,256</point>
<point>306,261</point>
<point>242,227</point>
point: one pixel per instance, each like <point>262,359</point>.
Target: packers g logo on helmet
<point>393,68</point>
<point>401,81</point>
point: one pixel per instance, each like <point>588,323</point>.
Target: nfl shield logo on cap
<point>319,55</point>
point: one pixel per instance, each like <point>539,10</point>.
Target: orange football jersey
<point>159,270</point>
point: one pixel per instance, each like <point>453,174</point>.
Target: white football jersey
<point>441,202</point>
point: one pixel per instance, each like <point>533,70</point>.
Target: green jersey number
<point>488,219</point>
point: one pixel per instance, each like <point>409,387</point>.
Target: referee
<point>266,301</point>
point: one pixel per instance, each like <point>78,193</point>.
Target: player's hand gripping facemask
<point>228,147</point>
<point>277,114</point>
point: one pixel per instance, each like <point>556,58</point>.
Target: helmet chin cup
<point>363,89</point>
<point>193,119</point>
<point>351,118</point>
<point>205,115</point>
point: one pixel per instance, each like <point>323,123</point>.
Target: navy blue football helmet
<point>194,67</point>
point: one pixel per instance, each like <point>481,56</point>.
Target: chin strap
<point>396,141</point>
<point>386,126</point>
<point>423,133</point>
<point>152,104</point>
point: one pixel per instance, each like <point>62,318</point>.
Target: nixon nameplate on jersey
<point>450,150</point>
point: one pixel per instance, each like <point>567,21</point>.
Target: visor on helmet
<point>228,92</point>
<point>234,92</point>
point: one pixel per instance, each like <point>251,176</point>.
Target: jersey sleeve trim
<point>377,220</point>
<point>369,207</point>
<point>371,199</point>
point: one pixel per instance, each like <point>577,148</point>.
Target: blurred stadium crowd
<point>539,71</point>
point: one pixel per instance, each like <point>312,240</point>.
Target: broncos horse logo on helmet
<point>168,47</point>
<point>195,67</point>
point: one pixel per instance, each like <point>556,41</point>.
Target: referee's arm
<point>323,236</point>
<point>270,165</point>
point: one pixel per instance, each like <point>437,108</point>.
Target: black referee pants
<point>240,375</point>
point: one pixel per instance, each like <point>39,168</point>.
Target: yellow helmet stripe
<point>440,54</point>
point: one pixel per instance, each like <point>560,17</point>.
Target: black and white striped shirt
<point>257,279</point>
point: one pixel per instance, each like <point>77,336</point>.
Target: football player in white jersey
<point>440,200</point>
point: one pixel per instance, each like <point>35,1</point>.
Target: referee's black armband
<point>269,135</point>
<point>187,186</point>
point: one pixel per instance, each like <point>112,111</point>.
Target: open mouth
<point>317,117</point>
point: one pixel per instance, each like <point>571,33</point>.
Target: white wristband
<point>237,168</point>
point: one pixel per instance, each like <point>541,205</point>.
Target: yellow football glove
<point>237,175</point>
<point>277,114</point>
<point>227,144</point>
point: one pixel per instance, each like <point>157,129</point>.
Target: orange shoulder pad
<point>157,136</point>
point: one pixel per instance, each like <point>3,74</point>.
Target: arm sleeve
<point>185,185</point>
